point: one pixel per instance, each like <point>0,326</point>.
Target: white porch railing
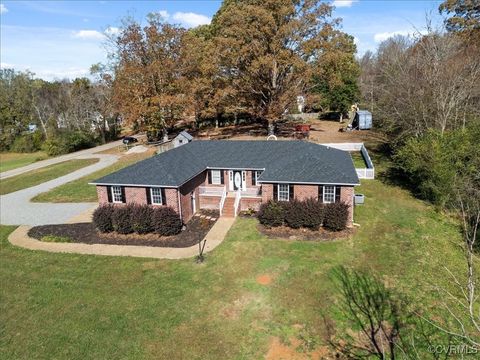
<point>238,196</point>
<point>222,200</point>
<point>251,192</point>
<point>211,190</point>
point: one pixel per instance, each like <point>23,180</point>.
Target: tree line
<point>251,63</point>
<point>57,116</point>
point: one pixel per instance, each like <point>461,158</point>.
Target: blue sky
<point>61,39</point>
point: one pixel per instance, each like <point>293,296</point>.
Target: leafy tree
<point>336,74</point>
<point>149,89</point>
<point>266,49</point>
<point>465,16</point>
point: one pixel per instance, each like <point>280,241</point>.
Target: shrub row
<point>307,214</point>
<point>142,219</point>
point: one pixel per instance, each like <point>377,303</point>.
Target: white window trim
<point>219,177</point>
<point>112,189</point>
<point>152,197</point>
<point>283,191</point>
<point>325,192</point>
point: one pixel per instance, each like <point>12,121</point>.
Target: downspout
<point>179,204</point>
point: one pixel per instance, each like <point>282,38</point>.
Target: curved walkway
<point>16,208</point>
<point>214,237</point>
<point>82,154</point>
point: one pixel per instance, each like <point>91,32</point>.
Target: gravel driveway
<point>82,154</point>
<point>16,208</point>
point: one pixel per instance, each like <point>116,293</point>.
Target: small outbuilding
<point>364,119</point>
<point>182,139</point>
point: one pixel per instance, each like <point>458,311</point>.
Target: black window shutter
<point>109,193</point>
<point>209,176</point>
<point>320,193</point>
<point>221,177</point>
<point>291,194</point>
<point>275,192</point>
<point>148,194</point>
<point>164,198</point>
<point>338,189</point>
<point>253,177</point>
<point>124,199</point>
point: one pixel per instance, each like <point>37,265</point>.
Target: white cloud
<point>3,9</point>
<point>163,14</point>
<point>88,35</point>
<point>379,37</point>
<point>112,30</point>
<point>343,3</point>
<point>4,65</point>
<point>191,19</point>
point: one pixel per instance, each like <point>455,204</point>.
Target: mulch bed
<point>284,232</point>
<point>195,231</point>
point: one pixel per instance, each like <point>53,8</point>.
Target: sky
<point>62,39</point>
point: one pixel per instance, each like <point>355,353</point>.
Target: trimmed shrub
<point>166,221</point>
<point>142,219</point>
<point>102,218</point>
<point>272,213</point>
<point>295,214</point>
<point>122,219</point>
<point>313,213</point>
<point>336,216</point>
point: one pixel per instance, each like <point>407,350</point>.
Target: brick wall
<point>102,195</point>
<point>135,195</point>
<point>346,196</point>
<point>209,202</point>
<point>138,195</point>
<point>186,195</point>
<point>250,203</point>
<point>267,192</point>
<point>304,192</point>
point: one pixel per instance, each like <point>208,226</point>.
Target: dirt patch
<point>234,310</point>
<point>195,231</point>
<point>284,232</point>
<point>264,279</point>
<point>294,351</point>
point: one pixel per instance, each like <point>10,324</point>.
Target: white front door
<point>237,180</point>
<point>230,180</point>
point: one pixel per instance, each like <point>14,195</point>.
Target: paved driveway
<point>16,208</point>
<point>82,154</point>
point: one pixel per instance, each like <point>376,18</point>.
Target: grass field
<point>358,160</point>
<point>79,190</point>
<point>67,306</point>
<point>9,161</point>
<point>42,175</point>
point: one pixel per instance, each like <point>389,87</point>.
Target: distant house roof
<point>186,135</point>
<point>282,161</point>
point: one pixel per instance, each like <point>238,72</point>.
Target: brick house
<point>232,176</point>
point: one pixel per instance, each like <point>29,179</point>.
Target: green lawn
<point>9,161</point>
<point>358,160</point>
<point>67,306</point>
<point>42,175</point>
<point>79,190</point>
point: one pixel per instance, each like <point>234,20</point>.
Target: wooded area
<point>250,63</point>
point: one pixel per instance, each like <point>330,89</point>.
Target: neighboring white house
<point>182,139</point>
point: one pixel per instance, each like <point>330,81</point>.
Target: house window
<point>117,194</point>
<point>283,192</point>
<point>256,175</point>
<point>216,177</point>
<point>328,194</point>
<point>156,196</point>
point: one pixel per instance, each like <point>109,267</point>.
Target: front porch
<point>229,203</point>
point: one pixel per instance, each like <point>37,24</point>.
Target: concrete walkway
<point>213,238</point>
<point>16,208</point>
<point>82,154</point>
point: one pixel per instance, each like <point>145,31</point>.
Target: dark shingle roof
<point>283,161</point>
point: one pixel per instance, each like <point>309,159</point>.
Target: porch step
<point>229,207</point>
